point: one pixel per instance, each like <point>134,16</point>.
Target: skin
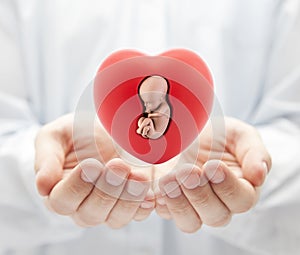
<point>153,94</point>
<point>81,190</point>
<point>216,190</point>
<point>211,191</point>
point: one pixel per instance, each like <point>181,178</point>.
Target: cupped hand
<point>98,188</point>
<point>224,179</point>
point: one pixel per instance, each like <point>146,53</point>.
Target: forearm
<point>24,220</point>
<point>22,209</point>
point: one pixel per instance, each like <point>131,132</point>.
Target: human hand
<point>146,131</point>
<point>144,126</point>
<point>100,189</point>
<point>211,191</point>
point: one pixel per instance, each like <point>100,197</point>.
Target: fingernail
<point>147,204</point>
<point>265,167</point>
<point>135,188</point>
<point>214,173</point>
<point>218,177</point>
<point>115,177</point>
<point>89,174</point>
<point>191,181</point>
<point>172,189</point>
<point>161,201</point>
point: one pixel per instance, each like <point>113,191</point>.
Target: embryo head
<point>153,92</point>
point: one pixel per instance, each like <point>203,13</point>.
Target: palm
<point>228,148</point>
<point>232,147</point>
<point>83,145</point>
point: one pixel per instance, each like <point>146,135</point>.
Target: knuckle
<point>179,209</point>
<point>61,207</point>
<point>75,189</point>
<point>106,199</point>
<point>128,206</point>
<point>122,215</point>
<point>201,200</point>
<point>220,221</point>
<point>228,191</point>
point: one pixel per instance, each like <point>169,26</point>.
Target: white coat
<point>50,50</point>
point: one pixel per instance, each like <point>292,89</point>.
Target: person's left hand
<point>216,186</point>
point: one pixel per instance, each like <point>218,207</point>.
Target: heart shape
<point>119,106</point>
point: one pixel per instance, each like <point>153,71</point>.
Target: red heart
<point>119,106</point>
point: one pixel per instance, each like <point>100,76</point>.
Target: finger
<point>146,207</point>
<point>161,206</point>
<point>244,141</point>
<point>131,198</point>
<point>96,207</point>
<point>198,191</point>
<point>49,163</point>
<point>236,193</point>
<point>51,145</point>
<point>256,165</point>
<point>159,171</point>
<point>182,212</point>
<point>69,193</point>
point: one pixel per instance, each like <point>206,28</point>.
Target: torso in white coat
<point>52,50</point>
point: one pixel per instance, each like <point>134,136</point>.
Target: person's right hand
<point>100,189</point>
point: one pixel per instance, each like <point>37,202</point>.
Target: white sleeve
<point>278,115</point>
<point>24,220</point>
<point>272,226</point>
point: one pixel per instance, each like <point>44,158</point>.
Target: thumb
<point>50,150</point>
<point>245,142</point>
